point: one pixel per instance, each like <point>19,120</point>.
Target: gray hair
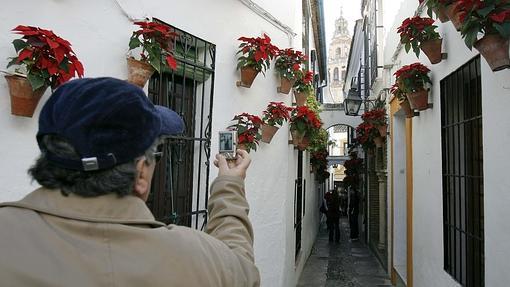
<point>119,179</point>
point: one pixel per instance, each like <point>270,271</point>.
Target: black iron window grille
<point>462,158</point>
<point>181,181</point>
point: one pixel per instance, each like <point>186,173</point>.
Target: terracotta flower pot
<point>139,72</point>
<point>454,15</point>
<point>379,141</point>
<point>404,105</point>
<point>296,137</point>
<point>300,98</point>
<point>383,130</point>
<point>432,49</point>
<point>494,49</point>
<point>248,75</point>
<point>23,99</point>
<point>419,100</point>
<point>441,14</point>
<point>268,132</point>
<point>285,85</point>
<point>305,142</point>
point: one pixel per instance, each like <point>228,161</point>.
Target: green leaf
<point>19,45</point>
<point>36,81</point>
<point>134,43</point>
<point>503,30</point>
<point>13,61</point>
<point>408,47</point>
<point>485,11</point>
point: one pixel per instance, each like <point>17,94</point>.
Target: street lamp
<point>353,102</point>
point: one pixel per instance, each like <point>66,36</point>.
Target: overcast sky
<point>351,12</point>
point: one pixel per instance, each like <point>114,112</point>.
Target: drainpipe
<point>270,18</point>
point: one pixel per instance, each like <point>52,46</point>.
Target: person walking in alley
<point>88,225</point>
<point>333,214</point>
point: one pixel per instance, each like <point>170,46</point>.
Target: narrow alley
<point>349,264</point>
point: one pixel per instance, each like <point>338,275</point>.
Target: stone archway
<point>333,114</point>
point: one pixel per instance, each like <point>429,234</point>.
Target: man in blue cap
<point>88,224</point>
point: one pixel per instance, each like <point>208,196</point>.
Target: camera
<point>228,144</point>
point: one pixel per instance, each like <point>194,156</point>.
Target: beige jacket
<point>47,239</point>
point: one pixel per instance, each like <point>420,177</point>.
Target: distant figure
<point>353,214</point>
<point>333,214</point>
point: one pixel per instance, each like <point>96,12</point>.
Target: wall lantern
<point>352,103</point>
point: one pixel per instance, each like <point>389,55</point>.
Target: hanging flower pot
<point>255,56</point>
<point>494,49</point>
<point>297,137</point>
<point>268,132</point>
<point>285,85</point>
<point>404,105</point>
<point>300,98</point>
<point>379,141</point>
<point>248,75</point>
<point>305,142</point>
<point>156,55</point>
<point>24,100</point>
<point>288,65</point>
<point>454,15</point>
<point>139,72</point>
<point>432,48</point>
<point>419,100</point>
<point>383,130</point>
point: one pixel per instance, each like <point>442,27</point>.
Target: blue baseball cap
<point>108,122</point>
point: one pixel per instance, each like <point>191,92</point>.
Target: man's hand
<point>233,168</point>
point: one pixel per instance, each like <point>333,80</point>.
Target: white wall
<point>427,195</point>
<point>99,32</point>
<point>399,197</point>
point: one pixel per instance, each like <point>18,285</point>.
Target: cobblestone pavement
<point>344,264</point>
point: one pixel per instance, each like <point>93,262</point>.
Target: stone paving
<point>344,264</point>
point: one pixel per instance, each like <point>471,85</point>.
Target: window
<point>338,52</point>
<point>462,158</point>
<point>335,75</point>
<point>343,74</point>
<point>180,185</point>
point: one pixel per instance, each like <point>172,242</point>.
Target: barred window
<point>180,185</point>
<point>462,157</point>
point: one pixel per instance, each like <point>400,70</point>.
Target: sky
<point>351,12</point>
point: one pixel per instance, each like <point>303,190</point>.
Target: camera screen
<point>226,142</point>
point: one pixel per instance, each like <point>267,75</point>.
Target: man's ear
<point>142,180</point>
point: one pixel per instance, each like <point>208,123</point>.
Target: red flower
<point>289,62</point>
<point>47,57</point>
<point>256,52</point>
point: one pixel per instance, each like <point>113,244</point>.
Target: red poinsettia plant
<point>365,134</point>
<point>416,30</point>
<point>256,53</point>
<point>412,78</point>
<point>353,166</point>
<point>156,41</point>
<point>248,130</point>
<point>304,82</point>
<point>288,63</point>
<point>276,113</point>
<point>45,58</point>
<point>377,117</point>
<point>304,120</point>
<point>487,17</point>
<point>318,159</point>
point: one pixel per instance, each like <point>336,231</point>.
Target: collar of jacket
<point>106,208</point>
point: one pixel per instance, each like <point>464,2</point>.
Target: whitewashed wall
<point>427,195</point>
<point>100,31</point>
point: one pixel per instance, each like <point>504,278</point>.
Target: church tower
<point>337,60</point>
